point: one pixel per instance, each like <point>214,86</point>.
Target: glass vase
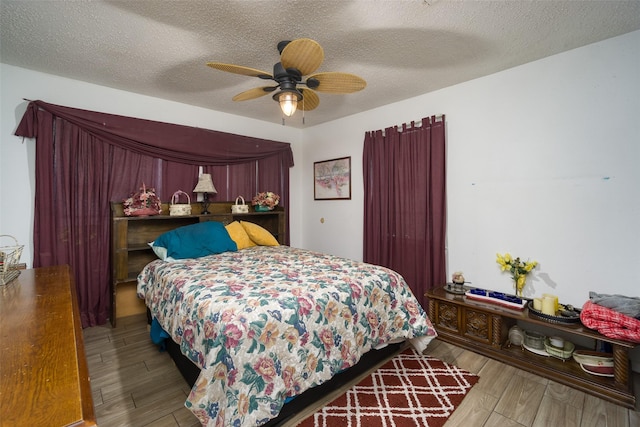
<point>519,285</point>
<point>260,208</point>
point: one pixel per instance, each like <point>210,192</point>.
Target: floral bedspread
<point>267,323</point>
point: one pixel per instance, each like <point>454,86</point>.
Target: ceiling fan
<point>298,59</point>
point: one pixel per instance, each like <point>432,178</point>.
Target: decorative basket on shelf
<point>239,208</point>
<point>179,209</point>
<point>9,258</point>
<point>145,202</point>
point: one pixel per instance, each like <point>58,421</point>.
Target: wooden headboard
<point>130,236</point>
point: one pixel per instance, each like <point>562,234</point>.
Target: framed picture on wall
<point>332,179</point>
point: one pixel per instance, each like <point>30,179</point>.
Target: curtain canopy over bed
<point>86,159</point>
<point>167,141</point>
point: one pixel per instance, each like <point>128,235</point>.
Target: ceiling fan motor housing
<point>281,74</point>
<point>287,80</point>
<point>287,87</point>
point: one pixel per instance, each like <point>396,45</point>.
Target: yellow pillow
<point>259,235</point>
<point>238,235</point>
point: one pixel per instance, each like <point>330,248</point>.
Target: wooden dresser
<point>44,379</point>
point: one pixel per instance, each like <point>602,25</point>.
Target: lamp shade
<point>288,104</point>
<point>205,184</point>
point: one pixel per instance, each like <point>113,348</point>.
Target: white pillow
<point>161,252</point>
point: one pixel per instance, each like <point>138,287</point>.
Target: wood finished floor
<point>135,385</point>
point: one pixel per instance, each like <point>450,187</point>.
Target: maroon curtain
<point>173,177</point>
<point>166,141</point>
<point>85,160</point>
<point>242,181</point>
<point>405,205</point>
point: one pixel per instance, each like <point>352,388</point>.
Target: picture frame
<point>332,179</point>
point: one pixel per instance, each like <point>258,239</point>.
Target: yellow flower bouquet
<point>518,269</point>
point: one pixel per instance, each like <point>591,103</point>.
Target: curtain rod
<point>436,117</point>
<point>416,123</point>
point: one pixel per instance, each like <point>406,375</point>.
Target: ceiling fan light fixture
<point>288,100</point>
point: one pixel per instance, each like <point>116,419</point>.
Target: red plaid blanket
<point>610,323</point>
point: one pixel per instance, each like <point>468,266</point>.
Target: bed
<point>267,322</point>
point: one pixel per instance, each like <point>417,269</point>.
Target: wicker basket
<point>179,209</point>
<point>9,258</point>
<point>143,203</point>
<point>239,208</point>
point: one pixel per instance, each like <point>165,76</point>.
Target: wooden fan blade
<point>239,69</point>
<point>310,100</point>
<point>254,93</point>
<point>305,55</point>
<point>334,82</point>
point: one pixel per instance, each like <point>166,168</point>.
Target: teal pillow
<point>196,240</point>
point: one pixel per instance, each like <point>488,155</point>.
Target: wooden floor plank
<point>494,377</point>
<point>555,412</point>
<point>475,409</point>
<point>499,420</point>
<point>568,395</point>
<point>600,413</point>
<point>521,400</point>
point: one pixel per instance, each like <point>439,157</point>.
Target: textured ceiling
<point>401,48</point>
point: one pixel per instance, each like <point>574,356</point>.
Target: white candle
<point>555,298</point>
<point>549,305</point>
<point>537,304</point>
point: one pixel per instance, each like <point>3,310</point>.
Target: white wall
<point>17,157</point>
<point>542,163</point>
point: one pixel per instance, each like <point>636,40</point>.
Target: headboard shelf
<point>131,235</point>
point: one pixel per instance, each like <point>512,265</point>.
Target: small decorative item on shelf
<point>496,298</point>
<point>516,335</point>
<point>179,209</point>
<point>534,341</point>
<point>457,284</point>
<point>458,278</point>
<point>559,348</point>
<point>595,363</point>
<point>265,201</point>
<point>518,269</point>
<point>143,203</point>
<point>239,208</point>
